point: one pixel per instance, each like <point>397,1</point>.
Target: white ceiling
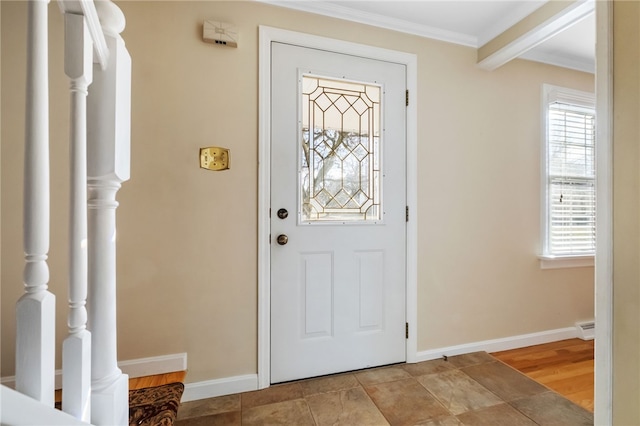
<point>573,48</point>
<point>467,22</point>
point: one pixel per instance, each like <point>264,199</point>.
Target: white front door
<point>338,218</point>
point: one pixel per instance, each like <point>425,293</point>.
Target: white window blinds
<point>571,200</point>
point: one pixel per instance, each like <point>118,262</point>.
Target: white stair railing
<point>108,166</point>
<point>76,349</point>
<point>94,388</point>
<point>35,311</point>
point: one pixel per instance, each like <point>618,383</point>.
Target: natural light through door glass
<point>340,155</point>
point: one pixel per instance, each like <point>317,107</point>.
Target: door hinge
<point>407,97</point>
<point>406,330</point>
<point>407,214</point>
<point>269,238</point>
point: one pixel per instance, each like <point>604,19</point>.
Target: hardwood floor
<point>158,380</point>
<point>565,367</point>
<point>146,381</point>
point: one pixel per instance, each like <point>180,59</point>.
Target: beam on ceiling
<point>547,21</point>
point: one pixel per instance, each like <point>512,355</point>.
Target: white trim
<point>337,11</point>
<point>264,203</point>
<point>603,413</point>
<point>578,64</point>
<point>380,21</point>
<point>559,262</point>
<point>19,409</point>
<point>412,202</point>
<point>554,25</point>
<point>503,344</point>
<point>508,20</point>
<point>551,94</point>
<point>219,387</point>
<point>154,365</point>
<point>249,382</point>
<point>568,96</point>
<point>267,36</point>
<point>134,368</point>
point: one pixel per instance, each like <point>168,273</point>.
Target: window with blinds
<point>570,226</point>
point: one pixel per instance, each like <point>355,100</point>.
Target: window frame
<point>548,260</point>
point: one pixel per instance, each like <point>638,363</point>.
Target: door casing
<point>267,36</point>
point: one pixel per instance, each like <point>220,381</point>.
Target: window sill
<point>558,262</point>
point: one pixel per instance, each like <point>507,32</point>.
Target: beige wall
<point>187,257</point>
<point>626,213</point>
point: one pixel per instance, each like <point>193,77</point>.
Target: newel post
<point>76,349</point>
<point>109,113</point>
<point>35,310</point>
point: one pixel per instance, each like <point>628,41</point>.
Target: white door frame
<point>603,375</point>
<point>267,36</point>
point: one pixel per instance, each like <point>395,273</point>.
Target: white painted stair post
<point>76,349</point>
<point>35,310</point>
<point>109,115</point>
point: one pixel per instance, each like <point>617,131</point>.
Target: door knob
<point>282,239</point>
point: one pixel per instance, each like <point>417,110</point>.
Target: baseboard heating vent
<point>586,330</point>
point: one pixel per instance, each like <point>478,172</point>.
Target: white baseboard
<point>134,368</point>
<point>502,344</point>
<point>220,387</point>
<point>154,365</point>
<point>237,384</point>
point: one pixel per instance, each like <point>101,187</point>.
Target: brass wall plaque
<point>214,158</point>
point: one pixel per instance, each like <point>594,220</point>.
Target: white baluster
<point>76,350</point>
<point>108,166</point>
<point>35,311</point>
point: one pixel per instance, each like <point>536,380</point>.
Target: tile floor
<point>472,389</point>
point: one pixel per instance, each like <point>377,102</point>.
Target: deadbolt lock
<point>283,213</point>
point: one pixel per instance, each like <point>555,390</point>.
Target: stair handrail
<point>94,388</point>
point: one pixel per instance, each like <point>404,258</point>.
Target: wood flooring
<point>565,367</point>
<point>145,382</point>
<point>158,380</point>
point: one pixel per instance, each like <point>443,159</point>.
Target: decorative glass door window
<point>340,152</point>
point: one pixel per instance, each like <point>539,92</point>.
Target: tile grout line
<point>364,389</point>
<point>300,391</point>
<point>542,384</point>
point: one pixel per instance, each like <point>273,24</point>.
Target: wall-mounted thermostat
<point>220,33</point>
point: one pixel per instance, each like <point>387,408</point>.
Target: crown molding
<point>341,12</point>
<point>508,20</point>
<point>518,49</point>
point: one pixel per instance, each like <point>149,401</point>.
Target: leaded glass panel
<point>340,164</point>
